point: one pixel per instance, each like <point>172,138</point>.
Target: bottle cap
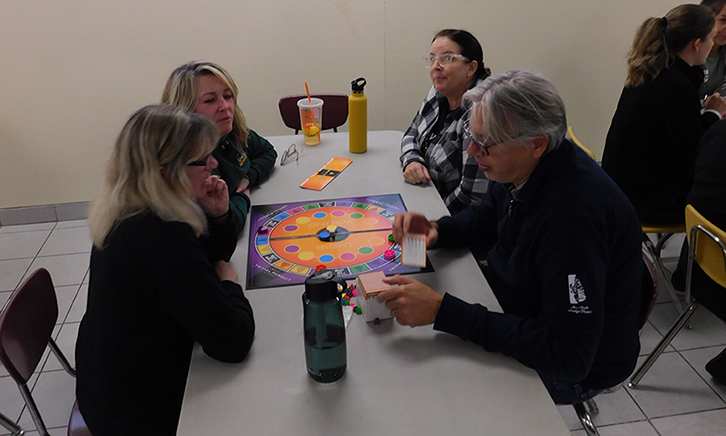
<point>358,84</point>
<point>321,286</point>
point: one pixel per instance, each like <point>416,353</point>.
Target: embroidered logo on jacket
<point>577,292</point>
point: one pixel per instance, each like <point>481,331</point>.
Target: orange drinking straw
<point>310,101</point>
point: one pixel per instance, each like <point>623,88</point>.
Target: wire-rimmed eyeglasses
<point>444,60</point>
<point>483,146</point>
<point>291,154</point>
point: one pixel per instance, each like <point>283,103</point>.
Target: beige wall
<point>72,71</point>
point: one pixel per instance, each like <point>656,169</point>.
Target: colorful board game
<point>289,241</point>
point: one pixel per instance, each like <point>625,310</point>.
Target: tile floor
<point>677,397</point>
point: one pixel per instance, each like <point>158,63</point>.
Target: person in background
<point>562,245</point>
<point>708,196</point>
<point>715,66</point>
<point>159,279</point>
<point>650,148</point>
<point>245,158</point>
<point>433,148</point>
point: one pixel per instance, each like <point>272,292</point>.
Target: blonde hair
<point>181,90</point>
<point>155,138</point>
<point>659,40</point>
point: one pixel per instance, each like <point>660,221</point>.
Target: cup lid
<point>314,102</point>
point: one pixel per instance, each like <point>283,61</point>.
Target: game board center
<point>327,236</point>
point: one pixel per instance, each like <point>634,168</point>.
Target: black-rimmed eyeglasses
<point>203,162</point>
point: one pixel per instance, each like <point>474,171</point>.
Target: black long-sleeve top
<point>650,149</point>
<point>565,265</point>
<point>153,292</point>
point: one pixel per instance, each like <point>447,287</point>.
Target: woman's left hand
<point>244,185</point>
<point>216,202</point>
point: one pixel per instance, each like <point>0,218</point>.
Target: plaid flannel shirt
<point>455,174</point>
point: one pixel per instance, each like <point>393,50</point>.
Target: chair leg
<point>592,405</point>
<point>61,357</point>
<point>11,426</point>
<point>660,242</point>
<point>33,409</point>
<point>585,418</point>
<point>660,267</point>
<point>650,360</point>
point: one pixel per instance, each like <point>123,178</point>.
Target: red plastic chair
<point>26,326</point>
<point>335,110</point>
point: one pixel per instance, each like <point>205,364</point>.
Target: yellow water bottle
<point>358,118</point>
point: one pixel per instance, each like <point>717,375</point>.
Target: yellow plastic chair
<point>577,142</point>
<point>705,246</point>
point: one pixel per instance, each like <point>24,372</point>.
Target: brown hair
<point>715,5</point>
<point>659,40</point>
<point>470,48</point>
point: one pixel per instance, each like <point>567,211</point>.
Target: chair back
<point>573,138</point>
<point>335,110</point>
<point>708,247</point>
<point>26,325</point>
<point>649,290</point>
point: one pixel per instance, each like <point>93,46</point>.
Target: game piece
<point>324,235</point>
<point>391,239</point>
<point>358,310</point>
<point>263,230</point>
<point>370,285</point>
<point>320,267</point>
<point>389,254</point>
<point>332,229</point>
<point>377,321</point>
<point>413,251</point>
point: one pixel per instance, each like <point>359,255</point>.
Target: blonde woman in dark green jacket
<point>245,158</point>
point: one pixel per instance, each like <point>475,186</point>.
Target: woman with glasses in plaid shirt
<point>433,147</point>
